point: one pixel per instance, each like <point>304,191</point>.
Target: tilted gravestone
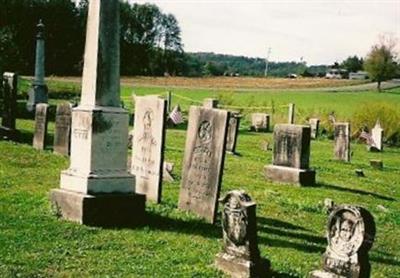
<point>240,256</point>
<point>350,233</point>
<point>203,161</point>
<point>342,141</point>
<point>291,156</point>
<point>148,145</point>
<point>10,88</point>
<point>314,124</point>
<point>260,122</point>
<point>377,137</point>
<point>62,134</point>
<point>168,167</point>
<point>97,188</point>
<point>210,103</point>
<point>41,121</point>
<point>233,131</point>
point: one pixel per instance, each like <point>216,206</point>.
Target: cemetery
<point>216,182</point>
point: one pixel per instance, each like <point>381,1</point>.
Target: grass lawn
<point>291,220</point>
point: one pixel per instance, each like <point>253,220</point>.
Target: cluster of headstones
<point>97,189</point>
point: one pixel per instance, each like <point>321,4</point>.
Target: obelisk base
<point>241,268</point>
<point>290,175</point>
<point>37,94</point>
<point>103,210</point>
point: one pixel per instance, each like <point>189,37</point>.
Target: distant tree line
<point>150,39</point>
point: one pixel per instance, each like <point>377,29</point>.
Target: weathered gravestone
<point>291,156</point>
<point>168,167</point>
<point>350,233</point>
<point>376,163</point>
<point>38,92</point>
<point>62,134</point>
<point>240,256</point>
<point>342,141</point>
<point>10,87</point>
<point>233,130</point>
<point>291,112</point>
<point>148,145</point>
<point>377,136</point>
<point>260,122</point>
<point>210,103</point>
<point>203,161</point>
<point>41,120</point>
<point>97,189</point>
<point>314,124</point>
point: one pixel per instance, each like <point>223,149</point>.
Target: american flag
<point>176,115</point>
<point>367,137</point>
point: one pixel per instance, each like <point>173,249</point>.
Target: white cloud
<point>319,31</point>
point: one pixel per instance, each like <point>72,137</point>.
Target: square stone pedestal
<point>103,210</point>
<point>296,176</point>
<point>240,268</point>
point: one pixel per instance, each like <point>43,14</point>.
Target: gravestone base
<point>295,176</point>
<point>241,268</point>
<point>103,210</point>
<point>37,94</point>
<point>324,274</point>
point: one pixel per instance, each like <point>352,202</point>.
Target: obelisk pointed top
<point>40,30</point>
<point>101,73</point>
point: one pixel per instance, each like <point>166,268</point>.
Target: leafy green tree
<point>352,64</point>
<point>380,62</point>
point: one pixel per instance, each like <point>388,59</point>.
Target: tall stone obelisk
<point>38,92</point>
<point>97,188</point>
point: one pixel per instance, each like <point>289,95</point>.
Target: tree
<point>352,64</point>
<point>380,62</point>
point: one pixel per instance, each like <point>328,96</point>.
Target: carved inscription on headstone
<point>342,141</point>
<point>203,161</point>
<point>62,133</point>
<point>351,233</point>
<point>240,256</point>
<point>233,129</point>
<point>41,119</point>
<point>259,122</point>
<point>292,146</point>
<point>148,145</point>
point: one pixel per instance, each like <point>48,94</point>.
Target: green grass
<point>291,220</point>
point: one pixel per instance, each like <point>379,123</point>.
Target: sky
<point>320,31</point>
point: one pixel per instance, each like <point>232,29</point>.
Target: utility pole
<point>267,62</point>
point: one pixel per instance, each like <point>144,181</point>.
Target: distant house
<point>359,75</point>
<point>336,74</point>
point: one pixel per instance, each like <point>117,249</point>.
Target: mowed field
<point>291,220</point>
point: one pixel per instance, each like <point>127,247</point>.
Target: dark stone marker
<point>351,233</point>
<point>314,123</point>
<point>342,141</point>
<point>291,156</point>
<point>62,133</point>
<point>41,120</point>
<point>204,161</point>
<point>10,87</point>
<point>377,164</point>
<point>259,122</point>
<point>240,256</point>
<point>39,90</point>
<point>233,130</point>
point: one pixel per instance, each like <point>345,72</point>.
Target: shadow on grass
<point>356,191</point>
<point>190,226</point>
